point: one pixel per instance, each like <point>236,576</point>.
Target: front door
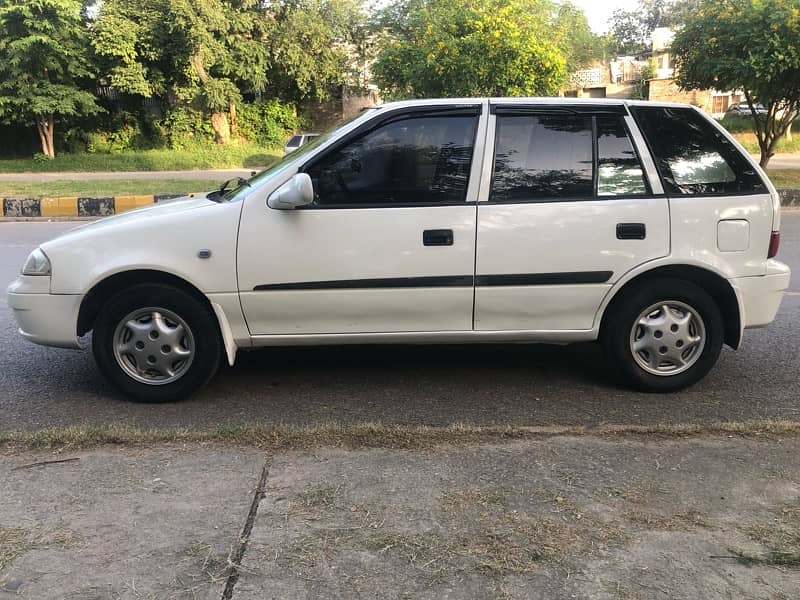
<point>568,212</point>
<point>389,243</point>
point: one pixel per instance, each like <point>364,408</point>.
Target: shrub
<point>185,127</point>
<point>267,124</point>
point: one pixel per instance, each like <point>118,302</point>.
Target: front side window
<point>692,156</point>
<point>410,160</point>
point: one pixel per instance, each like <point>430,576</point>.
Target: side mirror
<point>296,192</point>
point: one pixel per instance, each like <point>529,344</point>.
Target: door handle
<point>631,231</point>
<point>437,237</point>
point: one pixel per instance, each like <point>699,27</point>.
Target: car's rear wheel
<point>156,343</point>
<point>664,335</point>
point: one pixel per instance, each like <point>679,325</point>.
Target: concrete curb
<point>78,206</point>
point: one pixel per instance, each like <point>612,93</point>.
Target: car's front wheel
<point>156,343</point>
<point>663,335</point>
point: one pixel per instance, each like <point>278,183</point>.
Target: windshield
<point>287,158</point>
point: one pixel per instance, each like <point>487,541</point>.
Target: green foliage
<point>631,29</point>
<point>200,53</point>
<point>312,45</point>
<point>581,46</point>
<point>747,45</point>
<point>471,48</point>
<point>267,123</point>
<point>45,71</point>
<point>185,127</point>
<point>203,155</point>
<point>640,85</point>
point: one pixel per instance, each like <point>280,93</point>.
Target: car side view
<point>642,225</point>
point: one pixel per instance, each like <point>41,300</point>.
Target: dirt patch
<point>559,518</point>
<point>123,523</point>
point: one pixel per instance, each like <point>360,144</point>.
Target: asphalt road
<point>494,384</point>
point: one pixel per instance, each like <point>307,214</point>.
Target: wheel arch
<point>715,284</point>
<point>107,287</point>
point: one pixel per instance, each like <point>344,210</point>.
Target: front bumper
<point>44,318</point>
<point>760,297</point>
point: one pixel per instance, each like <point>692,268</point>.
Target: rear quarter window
<point>692,156</point>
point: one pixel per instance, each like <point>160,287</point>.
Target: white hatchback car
<point>441,221</point>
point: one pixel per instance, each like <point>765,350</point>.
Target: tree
<point>579,43</point>
<point>631,29</point>
<point>45,71</point>
<point>204,52</point>
<point>748,45</point>
<point>470,48</point>
<point>313,45</point>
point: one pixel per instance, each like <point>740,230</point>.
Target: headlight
<point>37,263</point>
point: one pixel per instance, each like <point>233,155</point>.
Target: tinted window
<point>411,160</point>
<point>543,157</point>
<point>692,156</point>
<point>295,141</point>
<point>619,172</point>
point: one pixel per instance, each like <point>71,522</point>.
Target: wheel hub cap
<point>154,346</point>
<point>667,338</point>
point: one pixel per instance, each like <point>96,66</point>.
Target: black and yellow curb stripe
<point>79,206</point>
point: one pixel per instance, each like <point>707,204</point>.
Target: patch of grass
<point>104,187</point>
<point>785,178</point>
<point>13,543</point>
<point>495,552</point>
<point>319,497</point>
<point>750,142</point>
<point>773,558</point>
<point>476,497</point>
<point>360,435</point>
<point>676,522</point>
<point>16,542</point>
<point>202,156</point>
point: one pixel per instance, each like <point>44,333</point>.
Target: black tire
<point>207,342</point>
<point>619,321</point>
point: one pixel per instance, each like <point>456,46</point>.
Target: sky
<point>599,11</point>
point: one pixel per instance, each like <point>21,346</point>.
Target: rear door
<point>566,210</point>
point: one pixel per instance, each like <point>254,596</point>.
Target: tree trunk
<point>789,132</point>
<point>232,113</point>
<point>45,127</point>
<point>222,131</point>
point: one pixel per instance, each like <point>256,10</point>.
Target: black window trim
<point>634,110</point>
<point>507,109</point>
<point>399,114</point>
<point>531,110</point>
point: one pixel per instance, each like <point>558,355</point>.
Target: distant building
<point>664,88</point>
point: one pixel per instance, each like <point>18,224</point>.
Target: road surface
<point>497,384</point>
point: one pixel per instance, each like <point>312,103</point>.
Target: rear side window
<point>542,157</point>
<point>553,157</point>
<point>295,141</point>
<point>619,172</point>
<point>692,156</point>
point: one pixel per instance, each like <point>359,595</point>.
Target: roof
<point>528,100</point>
